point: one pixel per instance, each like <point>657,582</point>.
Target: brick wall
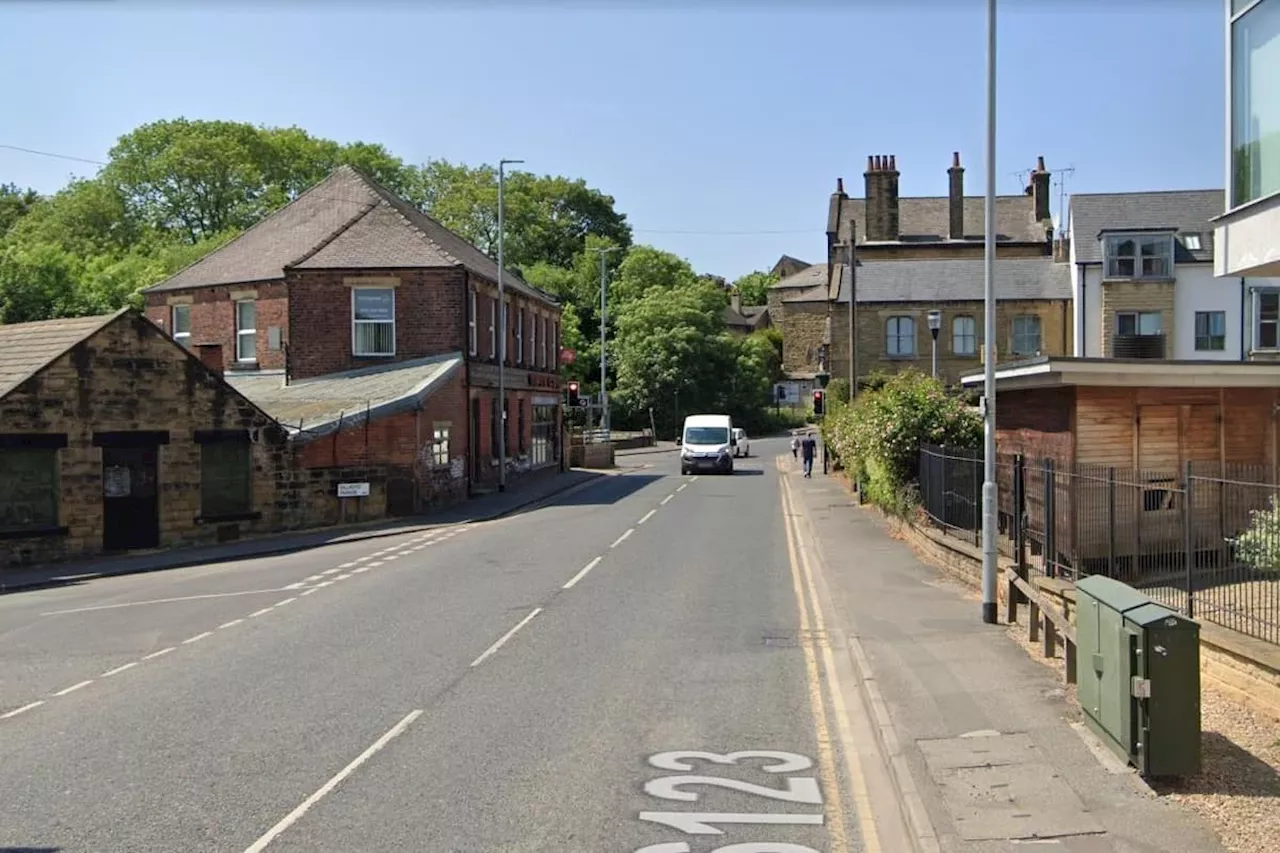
<point>129,377</point>
<point>1123,296</point>
<point>213,318</point>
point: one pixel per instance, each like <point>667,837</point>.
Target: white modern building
<point>1248,233</point>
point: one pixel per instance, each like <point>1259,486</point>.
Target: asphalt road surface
<point>628,669</point>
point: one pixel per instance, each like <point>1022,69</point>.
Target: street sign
<point>584,402</point>
<point>353,490</point>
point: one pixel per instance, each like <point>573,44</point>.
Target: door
<point>130,503</point>
<point>1159,525</point>
<point>475,441</point>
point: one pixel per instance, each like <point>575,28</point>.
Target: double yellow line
<point>813,625</point>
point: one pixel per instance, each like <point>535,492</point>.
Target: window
<point>1138,323</point>
<point>182,324</point>
<point>1255,102</point>
<point>519,336</point>
<point>504,355</point>
<point>246,331</point>
<point>1139,256</point>
<point>964,336</point>
<point>900,336</point>
<point>226,478</point>
<point>1267,312</point>
<point>1192,242</point>
<point>440,444</point>
<point>28,489</point>
<point>493,328</point>
<point>533,340</point>
<point>473,338</point>
<point>542,350</point>
<point>1211,330</point>
<point>373,321</point>
<point>494,420</point>
<point>555,340</point>
<point>544,436</point>
<point>1026,335</point>
<point>520,426</point>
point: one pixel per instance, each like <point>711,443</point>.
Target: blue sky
<point>719,127</point>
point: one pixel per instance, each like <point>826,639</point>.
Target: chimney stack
<point>1039,191</point>
<point>956,198</point>
<point>735,300</point>
<point>882,197</point>
<point>835,219</point>
<point>211,356</point>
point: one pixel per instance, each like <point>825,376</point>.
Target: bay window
<point>1138,256</point>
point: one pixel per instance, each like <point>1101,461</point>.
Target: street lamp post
<point>604,291</point>
<point>502,348</point>
<point>989,363</point>
<point>935,324</point>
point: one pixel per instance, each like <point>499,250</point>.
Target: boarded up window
<point>28,489</point>
<point>226,478</point>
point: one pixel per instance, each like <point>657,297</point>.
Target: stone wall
<point>1131,296</point>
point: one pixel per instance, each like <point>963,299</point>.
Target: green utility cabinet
<point>1138,674</point>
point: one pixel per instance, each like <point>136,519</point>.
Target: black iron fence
<point>1204,539</point>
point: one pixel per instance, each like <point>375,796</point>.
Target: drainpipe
<point>1083,313</point>
<point>466,376</point>
<point>1244,294</point>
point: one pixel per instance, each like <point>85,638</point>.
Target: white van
<point>707,444</point>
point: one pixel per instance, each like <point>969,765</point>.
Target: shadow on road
<point>606,490</point>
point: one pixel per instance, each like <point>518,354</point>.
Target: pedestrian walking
<point>809,448</point>
<point>795,447</point>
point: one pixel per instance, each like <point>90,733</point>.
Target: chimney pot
<point>840,185</point>
<point>893,162</point>
<point>871,165</point>
<point>955,159</point>
<point>1040,163</point>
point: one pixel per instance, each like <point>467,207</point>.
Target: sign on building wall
<point>353,490</point>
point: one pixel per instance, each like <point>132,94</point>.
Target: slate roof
<point>28,348</point>
<point>806,278</point>
<point>1183,211</point>
<point>347,221</point>
<point>748,317</point>
<point>955,280</point>
<point>927,219</point>
<point>319,405</point>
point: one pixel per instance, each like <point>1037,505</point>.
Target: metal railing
<point>1203,539</point>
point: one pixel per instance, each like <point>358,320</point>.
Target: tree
<point>15,203</point>
<point>753,287</point>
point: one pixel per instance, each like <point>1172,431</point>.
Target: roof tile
<point>27,348</point>
<point>1186,211</point>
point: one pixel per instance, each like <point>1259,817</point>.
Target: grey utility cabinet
<point>1138,672</point>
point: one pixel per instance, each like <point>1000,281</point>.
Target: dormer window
<point>1192,242</point>
<point>1135,256</point>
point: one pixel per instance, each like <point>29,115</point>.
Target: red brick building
<point>372,332</point>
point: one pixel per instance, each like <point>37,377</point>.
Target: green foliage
<point>1259,546</point>
<point>15,203</point>
<point>754,287</point>
<point>878,437</point>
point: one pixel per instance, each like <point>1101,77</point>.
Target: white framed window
<point>1138,323</point>
<point>1266,319</point>
<point>246,331</point>
<point>533,341</point>
<point>493,327</point>
<point>440,444</point>
<point>1192,242</point>
<point>964,335</point>
<point>1138,256</point>
<point>542,349</point>
<point>1026,334</point>
<point>473,337</point>
<point>180,321</point>
<point>504,334</point>
<point>1211,331</point>
<point>519,336</point>
<point>373,321</point>
<point>900,336</point>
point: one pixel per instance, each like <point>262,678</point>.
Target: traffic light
<point>573,394</point>
<point>819,402</point>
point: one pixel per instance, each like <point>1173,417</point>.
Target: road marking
<point>309,591</point>
<point>335,571</point>
<point>255,614</point>
<point>119,669</point>
<point>344,577</point>
<point>16,711</point>
<point>664,501</point>
<point>391,557</point>
<point>648,515</point>
<point>371,565</point>
<point>293,816</point>
<point>346,565</point>
<point>360,570</point>
<point>197,638</point>
<point>73,688</point>
<point>286,601</point>
<point>233,622</point>
<point>623,537</point>
<point>682,487</point>
<point>826,753</point>
<point>694,478</point>
<point>322,585</point>
<point>160,601</point>
<point>582,574</point>
<point>507,636</point>
<point>154,655</point>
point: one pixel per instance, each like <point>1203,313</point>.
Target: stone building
<point>915,255</point>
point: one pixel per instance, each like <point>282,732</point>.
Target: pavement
<point>649,663</point>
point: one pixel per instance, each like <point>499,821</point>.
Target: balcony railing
<point>1138,346</point>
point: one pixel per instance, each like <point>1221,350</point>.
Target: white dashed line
<point>298,585</point>
<point>335,571</point>
<point>292,817</point>
<point>665,500</point>
<point>360,570</point>
<point>582,574</point>
<point>286,601</point>
<point>348,565</point>
<point>73,688</point>
<point>16,711</point>
<point>154,655</point>
<point>309,591</point>
<point>372,566</point>
<point>391,557</point>
<point>344,577</point>
<point>322,585</point>
<point>507,636</point>
<point>119,669</point>
<point>682,487</point>
<point>364,559</point>
<point>197,638</point>
<point>623,537</point>
<point>258,613</point>
<point>233,623</point>
<point>648,515</point>
<point>694,478</point>
<point>314,578</point>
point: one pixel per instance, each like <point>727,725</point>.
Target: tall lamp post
<point>989,363</point>
<point>502,348</point>
<point>935,324</point>
<point>604,361</point>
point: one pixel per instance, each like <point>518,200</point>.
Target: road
<point>563,679</point>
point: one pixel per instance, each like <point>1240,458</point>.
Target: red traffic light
<point>818,407</point>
